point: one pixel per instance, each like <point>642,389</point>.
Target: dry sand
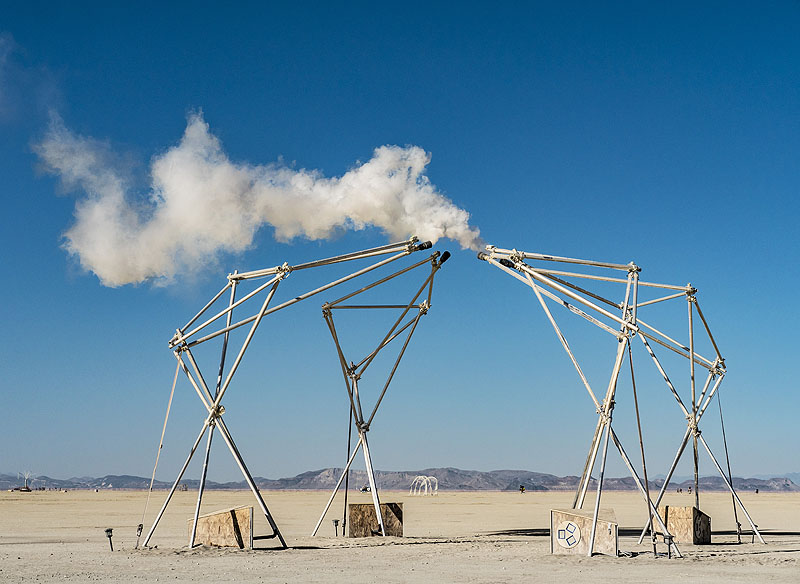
<point>454,537</point>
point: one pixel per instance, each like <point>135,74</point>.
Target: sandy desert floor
<point>453,537</point>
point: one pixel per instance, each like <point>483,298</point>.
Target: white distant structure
<point>424,485</point>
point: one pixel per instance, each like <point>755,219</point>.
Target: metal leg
<point>730,487</point>
<point>600,486</point>
<point>251,483</point>
<point>372,484</point>
<point>202,486</point>
<point>336,488</point>
<point>672,468</point>
<point>175,484</point>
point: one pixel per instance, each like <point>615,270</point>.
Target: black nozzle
<point>507,263</point>
<point>482,255</point>
<point>423,245</point>
<point>444,258</point>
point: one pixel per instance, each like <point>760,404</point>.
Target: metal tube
<point>229,309</point>
<point>600,486</point>
<point>246,343</point>
<point>672,468</point>
<point>563,260</point>
<point>694,401</point>
<point>565,344</point>
<point>665,376</point>
<point>175,484</point>
<point>398,321</point>
<point>730,487</point>
<point>226,435</point>
<point>202,486</point>
<point>210,302</point>
<point>588,466</point>
<point>545,271</point>
<point>382,280</point>
<point>662,299</point>
<point>381,250</point>
<point>394,369</point>
<point>301,297</point>
<point>338,484</point>
<point>573,295</point>
<point>708,330</point>
<point>373,485</point>
<point>638,482</point>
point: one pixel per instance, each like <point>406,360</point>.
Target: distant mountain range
<point>450,479</point>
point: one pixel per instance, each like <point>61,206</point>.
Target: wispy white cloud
<point>200,203</point>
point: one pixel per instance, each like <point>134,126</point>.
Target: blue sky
<point>665,135</point>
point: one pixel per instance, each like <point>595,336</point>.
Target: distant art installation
<point>424,485</point>
<point>560,280</point>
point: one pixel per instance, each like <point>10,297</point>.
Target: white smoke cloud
<point>200,204</point>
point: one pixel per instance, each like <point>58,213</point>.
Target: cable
<point>158,454</point>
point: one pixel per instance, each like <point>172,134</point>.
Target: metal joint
<point>284,270</point>
<point>217,412</point>
<point>411,243</point>
<point>363,426</point>
<point>424,307</point>
<point>632,267</point>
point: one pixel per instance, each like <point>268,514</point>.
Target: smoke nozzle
<point>445,257</point>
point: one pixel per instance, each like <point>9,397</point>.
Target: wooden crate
<point>363,522</point>
<point>571,531</point>
<point>687,524</point>
<point>225,528</point>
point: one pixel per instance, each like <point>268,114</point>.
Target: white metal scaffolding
<point>621,318</point>
<point>216,320</point>
<point>403,328</point>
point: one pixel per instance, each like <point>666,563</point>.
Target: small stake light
<point>336,527</point>
<point>108,535</point>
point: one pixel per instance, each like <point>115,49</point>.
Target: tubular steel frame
<point>412,312</point>
<point>623,322</point>
<point>186,338</point>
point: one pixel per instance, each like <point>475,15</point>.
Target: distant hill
<point>450,479</point>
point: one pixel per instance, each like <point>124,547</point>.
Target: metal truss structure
<point>403,327</point>
<point>554,278</point>
<point>217,322</point>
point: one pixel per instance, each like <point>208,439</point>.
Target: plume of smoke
<point>200,203</point>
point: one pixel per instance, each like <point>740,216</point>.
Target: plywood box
<point>571,532</point>
<point>363,522</point>
<point>687,524</point>
<point>226,528</point>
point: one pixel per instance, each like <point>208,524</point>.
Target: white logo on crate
<point>568,534</point>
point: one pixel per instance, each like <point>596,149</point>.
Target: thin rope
<point>730,477</point>
<point>158,453</point>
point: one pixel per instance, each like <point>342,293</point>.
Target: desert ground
<point>453,537</point>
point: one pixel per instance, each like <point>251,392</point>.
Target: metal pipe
<point>563,260</point>
<point>249,478</point>
<point>730,487</point>
<point>202,486</point>
<point>394,369</point>
<point>301,297</point>
<point>383,280</point>
<point>662,299</point>
<point>338,484</point>
<point>672,468</point>
<point>708,330</point>
<point>373,485</point>
<point>545,271</point>
<point>694,401</point>
<point>227,311</point>
<point>600,486</point>
<point>638,482</point>
<point>175,484</point>
<point>210,302</point>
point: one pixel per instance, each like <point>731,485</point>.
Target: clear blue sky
<point>668,135</point>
